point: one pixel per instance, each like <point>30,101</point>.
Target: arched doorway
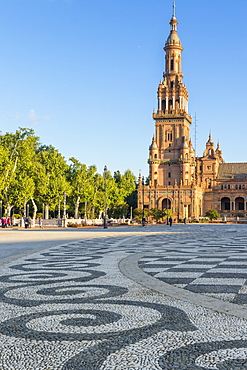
<point>166,203</point>
<point>239,204</point>
<point>225,204</point>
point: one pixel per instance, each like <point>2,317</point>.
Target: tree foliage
<point>212,214</point>
<point>40,176</point>
<point>17,167</point>
<point>139,213</point>
<point>157,214</point>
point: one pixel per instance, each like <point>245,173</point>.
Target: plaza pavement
<point>124,298</point>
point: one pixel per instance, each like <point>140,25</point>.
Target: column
<point>166,102</point>
<point>159,103</point>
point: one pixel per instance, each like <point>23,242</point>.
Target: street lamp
<point>1,208</point>
<point>167,220</point>
<point>105,205</point>
<point>143,197</point>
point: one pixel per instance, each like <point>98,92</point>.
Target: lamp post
<point>143,214</point>
<point>105,205</point>
<point>167,220</point>
<point>1,208</point>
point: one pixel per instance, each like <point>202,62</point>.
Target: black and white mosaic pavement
<point>70,307</point>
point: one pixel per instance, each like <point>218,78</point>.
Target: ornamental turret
<point>172,93</point>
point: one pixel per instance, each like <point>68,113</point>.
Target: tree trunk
<point>77,203</point>
<point>93,211</point>
<point>46,211</point>
<point>34,209</point>
<point>8,210</point>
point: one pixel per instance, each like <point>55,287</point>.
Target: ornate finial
<point>174,8</point>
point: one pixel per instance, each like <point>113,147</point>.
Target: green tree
<point>212,214</point>
<point>168,212</point>
<point>118,210</point>
<point>95,196</point>
<point>17,167</point>
<point>157,214</point>
<point>126,182</point>
<point>81,182</point>
<point>51,182</point>
<point>138,213</point>
<point>123,194</point>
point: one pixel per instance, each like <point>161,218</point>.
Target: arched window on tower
<point>170,104</point>
<point>172,65</point>
<point>172,84</point>
<point>163,105</point>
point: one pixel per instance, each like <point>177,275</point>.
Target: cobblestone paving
<point>70,307</point>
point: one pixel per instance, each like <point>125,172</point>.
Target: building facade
<point>178,179</point>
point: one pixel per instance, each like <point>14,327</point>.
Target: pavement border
<point>129,267</point>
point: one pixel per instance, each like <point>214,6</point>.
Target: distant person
<point>170,221</point>
<point>4,222</point>
<point>26,221</point>
<point>29,221</point>
<point>143,221</point>
<point>40,223</point>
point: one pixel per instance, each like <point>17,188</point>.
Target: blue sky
<point>84,74</point>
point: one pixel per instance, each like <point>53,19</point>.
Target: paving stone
<point>87,304</point>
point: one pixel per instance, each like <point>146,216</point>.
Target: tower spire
<point>174,10</point>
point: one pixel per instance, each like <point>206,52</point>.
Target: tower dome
<point>173,39</point>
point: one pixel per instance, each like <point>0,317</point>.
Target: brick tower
<point>172,162</point>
